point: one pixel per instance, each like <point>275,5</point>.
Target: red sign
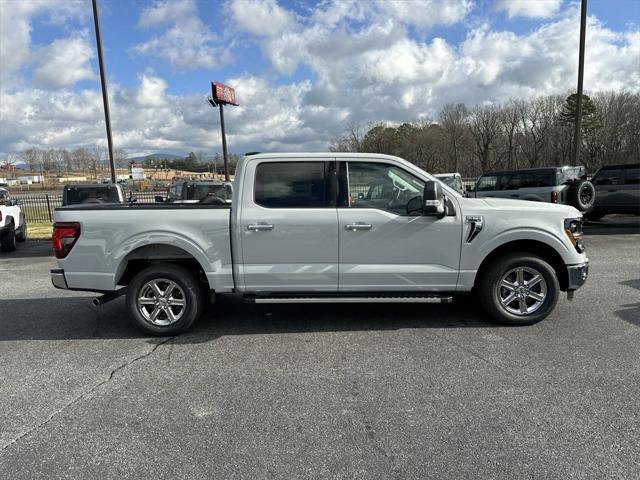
<point>224,93</point>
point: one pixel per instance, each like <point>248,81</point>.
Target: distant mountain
<point>159,156</point>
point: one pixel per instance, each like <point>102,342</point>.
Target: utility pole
<point>577,133</point>
<point>105,97</point>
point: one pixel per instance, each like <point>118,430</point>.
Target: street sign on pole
<point>221,95</point>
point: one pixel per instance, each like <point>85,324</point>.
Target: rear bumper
<point>58,280</point>
<point>577,275</point>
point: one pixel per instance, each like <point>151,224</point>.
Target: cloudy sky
<point>303,71</point>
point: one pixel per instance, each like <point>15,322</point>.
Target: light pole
<point>577,133</point>
<point>105,97</point>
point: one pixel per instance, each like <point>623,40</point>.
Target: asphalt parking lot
<point>329,391</point>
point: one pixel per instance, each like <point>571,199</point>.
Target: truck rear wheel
<point>519,289</point>
<point>164,299</point>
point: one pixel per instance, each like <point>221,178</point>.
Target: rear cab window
<point>293,185</point>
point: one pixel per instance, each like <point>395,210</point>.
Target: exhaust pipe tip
<point>107,297</point>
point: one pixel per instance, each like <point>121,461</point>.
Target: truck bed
<point>114,234</point>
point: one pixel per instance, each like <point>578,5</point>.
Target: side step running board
<point>345,299</point>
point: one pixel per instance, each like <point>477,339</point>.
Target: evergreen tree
<point>590,116</point>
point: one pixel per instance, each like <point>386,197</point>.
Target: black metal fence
<point>40,207</point>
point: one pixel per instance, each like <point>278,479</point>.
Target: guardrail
<point>40,208</point>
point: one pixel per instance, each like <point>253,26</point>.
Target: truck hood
<point>528,206</point>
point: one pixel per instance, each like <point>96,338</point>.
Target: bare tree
<point>9,161</point>
<point>454,119</point>
<point>350,141</point>
<point>486,129</point>
<point>120,158</point>
<point>33,158</point>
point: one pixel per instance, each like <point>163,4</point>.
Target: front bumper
<point>577,275</point>
<point>58,280</point>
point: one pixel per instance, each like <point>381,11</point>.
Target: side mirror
<point>471,188</point>
<point>434,202</point>
<point>159,199</point>
<point>360,196</point>
<point>415,206</point>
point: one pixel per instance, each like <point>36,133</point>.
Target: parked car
<point>92,194</point>
<point>566,185</point>
<point>211,191</point>
<point>617,190</point>
<point>13,226</point>
<point>454,180</point>
<point>299,233</point>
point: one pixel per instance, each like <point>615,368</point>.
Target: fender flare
<point>119,259</point>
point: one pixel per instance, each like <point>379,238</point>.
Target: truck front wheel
<point>519,289</point>
<point>164,299</point>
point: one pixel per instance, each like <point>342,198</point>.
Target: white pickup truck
<point>13,227</point>
<point>314,227</point>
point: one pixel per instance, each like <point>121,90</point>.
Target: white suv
<point>13,226</point>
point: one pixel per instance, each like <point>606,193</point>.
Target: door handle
<point>515,196</point>
<point>354,227</point>
<point>611,191</point>
<point>259,227</point>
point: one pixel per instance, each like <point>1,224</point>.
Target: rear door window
<point>292,185</point>
<point>609,177</point>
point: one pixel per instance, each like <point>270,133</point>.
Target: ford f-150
<point>323,227</point>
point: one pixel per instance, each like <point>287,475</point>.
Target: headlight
<point>573,229</point>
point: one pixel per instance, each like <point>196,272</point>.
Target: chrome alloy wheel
<point>161,302</point>
<point>521,291</point>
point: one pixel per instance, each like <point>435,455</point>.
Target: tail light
<point>554,197</point>
<point>65,236</point>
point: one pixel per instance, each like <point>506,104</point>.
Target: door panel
<point>381,247</point>
<point>398,253</point>
<point>286,247</point>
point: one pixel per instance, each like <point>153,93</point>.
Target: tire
<point>8,240</point>
<point>581,195</point>
<point>594,215</point>
<point>184,300</point>
<point>22,233</point>
<point>507,268</point>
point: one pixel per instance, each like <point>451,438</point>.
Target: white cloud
<point>64,62</point>
<point>261,17</point>
<point>424,13</point>
<point>152,92</point>
<point>15,31</point>
<point>167,11</point>
<point>529,8</point>
<point>187,43</point>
